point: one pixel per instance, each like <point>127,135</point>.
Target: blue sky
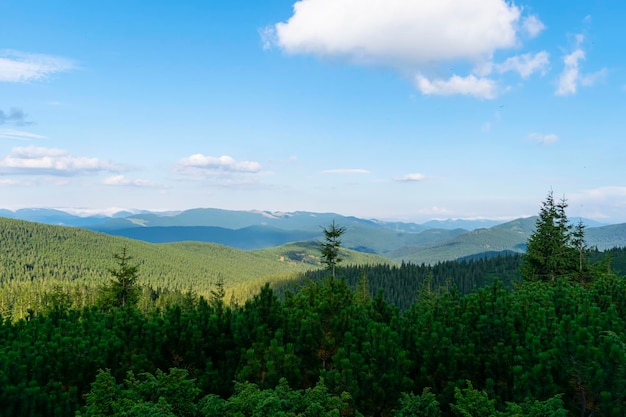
<point>388,109</point>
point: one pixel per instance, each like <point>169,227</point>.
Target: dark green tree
<point>123,290</point>
<point>553,250</point>
<point>331,245</point>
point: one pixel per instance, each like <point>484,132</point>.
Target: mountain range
<point>431,242</point>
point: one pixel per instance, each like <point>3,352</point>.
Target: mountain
<point>260,229</point>
<point>510,237</point>
<point>247,238</point>
<point>606,237</point>
<point>461,224</point>
<point>53,216</point>
<point>34,252</point>
<point>433,241</point>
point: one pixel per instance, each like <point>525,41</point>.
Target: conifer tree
<point>553,250</point>
<point>123,290</point>
<point>331,245</point>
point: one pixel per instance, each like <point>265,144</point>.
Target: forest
<point>541,334</point>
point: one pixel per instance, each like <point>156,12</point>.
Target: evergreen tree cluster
<point>557,248</point>
<point>400,284</point>
<point>543,346</point>
<point>540,348</point>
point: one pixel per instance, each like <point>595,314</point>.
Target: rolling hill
<point>430,242</point>
<point>37,252</point>
<point>510,237</point>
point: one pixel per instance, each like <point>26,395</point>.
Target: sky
<point>390,109</point>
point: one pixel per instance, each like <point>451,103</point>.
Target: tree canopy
<point>331,246</point>
<point>556,248</point>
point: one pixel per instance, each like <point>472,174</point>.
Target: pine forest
<point>94,325</point>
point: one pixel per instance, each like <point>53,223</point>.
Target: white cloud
<point>49,161</point>
<point>532,26</point>
<point>18,66</point>
<point>470,85</point>
<point>413,177</point>
<point>568,81</point>
<point>416,37</point>
<point>435,211</point>
<point>120,180</point>
<point>8,182</point>
<point>571,77</point>
<point>199,164</point>
<point>604,202</point>
<point>526,64</point>
<point>346,171</point>
<point>399,31</point>
<point>18,135</point>
<point>542,138</point>
<point>588,80</point>
<point>607,191</point>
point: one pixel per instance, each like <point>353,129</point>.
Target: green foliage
<point>400,285</point>
<point>556,249</point>
<point>123,290</point>
<point>526,347</point>
<point>472,403</point>
<point>164,394</point>
<point>330,247</point>
<point>424,405</point>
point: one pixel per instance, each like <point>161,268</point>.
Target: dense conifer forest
<point>541,334</point>
<point>541,348</point>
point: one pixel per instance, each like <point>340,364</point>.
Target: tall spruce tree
<point>331,245</point>
<point>123,290</point>
<point>554,249</point>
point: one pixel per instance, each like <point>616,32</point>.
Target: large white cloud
<point>18,66</point>
<point>35,160</point>
<point>399,30</point>
<point>413,35</point>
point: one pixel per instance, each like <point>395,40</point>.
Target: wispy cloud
<point>14,115</point>
<point>413,177</point>
<point>346,171</point>
<point>210,165</point>
<point>224,171</point>
<point>532,26</point>
<point>543,138</point>
<point>33,160</point>
<point>605,202</point>
<point>571,76</point>
<point>121,180</point>
<point>471,85</point>
<point>526,65</point>
<point>416,37</point>
<point>16,66</point>
<point>18,135</point>
<point>5,182</point>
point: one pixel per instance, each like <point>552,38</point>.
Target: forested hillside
<point>37,259</point>
<point>454,339</point>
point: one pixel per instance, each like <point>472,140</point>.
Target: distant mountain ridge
<point>431,242</point>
